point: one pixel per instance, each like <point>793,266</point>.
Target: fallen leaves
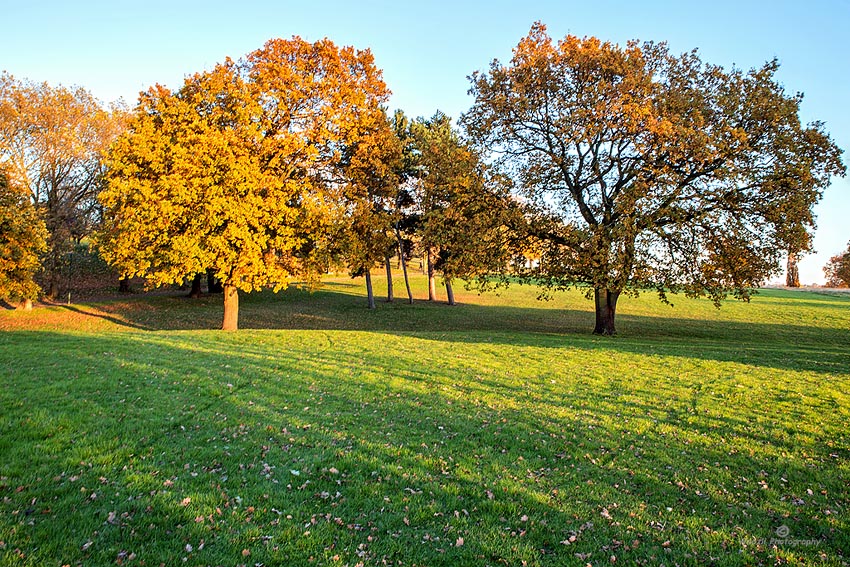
<point>571,539</point>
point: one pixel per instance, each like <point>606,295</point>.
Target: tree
<point>54,140</point>
<point>837,270</point>
<point>369,184</point>
<point>645,170</point>
<point>463,209</point>
<point>230,173</point>
<point>405,217</point>
<point>22,238</point>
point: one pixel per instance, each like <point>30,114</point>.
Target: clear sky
<point>427,49</point>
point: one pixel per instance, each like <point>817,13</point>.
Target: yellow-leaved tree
<point>232,172</point>
<point>22,237</point>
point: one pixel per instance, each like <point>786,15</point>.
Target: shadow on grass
<point>781,345</point>
<point>293,452</point>
<point>100,315</point>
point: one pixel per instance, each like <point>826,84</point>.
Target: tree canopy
<point>643,169</point>
<point>368,186</point>
<point>54,139</point>
<point>22,238</point>
<point>231,172</point>
<point>837,270</point>
<point>463,207</point>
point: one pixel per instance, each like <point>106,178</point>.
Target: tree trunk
<point>450,292</point>
<point>606,308</point>
<point>403,262</point>
<point>195,292</point>
<point>369,294</point>
<point>231,308</point>
<point>52,289</point>
<point>792,275</point>
<point>52,276</point>
<point>25,305</point>
<point>213,284</point>
<point>432,280</point>
<point>124,285</point>
<point>389,279</point>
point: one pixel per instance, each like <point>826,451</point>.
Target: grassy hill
<point>497,432</point>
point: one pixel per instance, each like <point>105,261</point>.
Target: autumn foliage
<point>644,169</point>
<point>368,183</point>
<point>22,238</point>
<point>235,171</point>
<point>837,270</point>
<point>53,139</point>
<point>580,163</point>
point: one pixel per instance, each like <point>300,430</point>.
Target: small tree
<point>405,215</point>
<point>464,209</point>
<point>368,187</point>
<point>231,172</point>
<point>837,270</point>
<point>645,170</point>
<point>22,238</point>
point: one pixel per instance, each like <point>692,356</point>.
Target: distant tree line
<point>615,169</point>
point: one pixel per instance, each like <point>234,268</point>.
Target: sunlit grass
<point>494,433</point>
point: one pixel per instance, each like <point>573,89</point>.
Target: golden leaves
<point>668,173</point>
<point>22,237</point>
<point>230,172</point>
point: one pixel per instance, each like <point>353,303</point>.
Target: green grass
<point>497,432</point>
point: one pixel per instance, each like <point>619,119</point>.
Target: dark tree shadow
<point>99,315</point>
<point>780,345</point>
<point>396,470</point>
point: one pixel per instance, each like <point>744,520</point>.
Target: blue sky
<point>427,49</point>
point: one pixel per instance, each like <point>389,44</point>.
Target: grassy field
<point>497,432</point>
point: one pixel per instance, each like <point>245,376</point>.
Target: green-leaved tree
<point>464,208</point>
